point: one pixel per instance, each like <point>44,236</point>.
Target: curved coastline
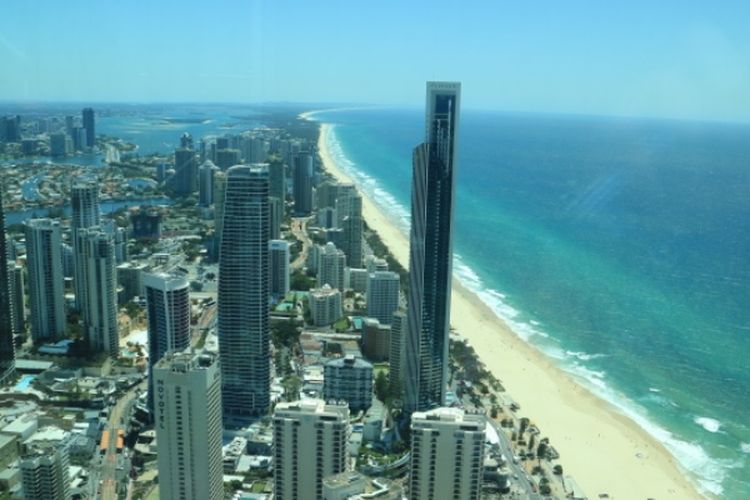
<point>603,448</point>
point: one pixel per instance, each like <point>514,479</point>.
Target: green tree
<point>541,450</point>
<point>381,386</point>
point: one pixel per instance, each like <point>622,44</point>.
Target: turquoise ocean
<point>619,247</point>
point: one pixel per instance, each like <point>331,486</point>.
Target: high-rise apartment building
<point>276,213</point>
<point>100,290</point>
<point>349,379</point>
<point>187,389</point>
<point>325,305</point>
<point>45,471</point>
<point>383,288</point>
<point>7,351</point>
<point>206,183</point>
<point>277,180</point>
<point>46,285</point>
<point>302,185</point>
<point>226,158</point>
<point>243,292</point>
<point>89,125</point>
<point>431,252</point>
<point>278,251</point>
<point>352,225</point>
<point>310,440</point>
<point>396,357</point>
<point>447,452</point>
<point>168,312</point>
<point>331,264</point>
<point>184,181</point>
<point>17,294</point>
<point>85,214</point>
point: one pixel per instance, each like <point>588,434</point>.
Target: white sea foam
<point>710,424</point>
<point>745,447</point>
<point>691,456</point>
<point>654,389</point>
<point>583,356</point>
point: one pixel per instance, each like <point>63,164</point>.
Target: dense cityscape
<point>231,327</point>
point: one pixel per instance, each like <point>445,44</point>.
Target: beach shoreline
<point>603,449</point>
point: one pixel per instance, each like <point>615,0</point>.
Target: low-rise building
<point>355,486</point>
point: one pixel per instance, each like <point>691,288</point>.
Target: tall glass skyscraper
<point>243,294</point>
<point>7,352</point>
<point>87,115</point>
<point>431,253</point>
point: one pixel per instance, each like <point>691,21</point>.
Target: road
<point>299,230</point>
<point>109,462</point>
<point>517,470</point>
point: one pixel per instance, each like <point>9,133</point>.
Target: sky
<point>667,58</point>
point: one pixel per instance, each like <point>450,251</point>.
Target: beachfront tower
<point>87,116</point>
<point>188,426</point>
<point>302,186</point>
<point>447,449</point>
<point>430,256</point>
<point>85,214</point>
<point>309,444</point>
<point>243,294</point>
<point>168,310</point>
<point>46,293</point>
<point>7,353</point>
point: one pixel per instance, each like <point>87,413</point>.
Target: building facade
<point>310,439</point>
<point>331,265</point>
<point>99,276</point>
<point>89,124</point>
<point>302,185</point>
<point>348,379</point>
<point>431,252</point>
<point>7,350</point>
<point>85,214</point>
<point>44,472</point>
<point>168,313</point>
<point>325,305</point>
<point>206,183</point>
<point>187,388</point>
<point>46,285</point>
<point>383,288</point>
<point>243,292</point>
<point>396,357</point>
<point>278,251</point>
<point>447,452</point>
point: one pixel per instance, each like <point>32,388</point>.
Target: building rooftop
<point>455,415</point>
<point>349,361</point>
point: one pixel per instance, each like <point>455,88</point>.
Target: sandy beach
<point>605,451</point>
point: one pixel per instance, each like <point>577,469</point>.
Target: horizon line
<point>331,106</point>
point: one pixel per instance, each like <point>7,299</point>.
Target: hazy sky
<point>649,58</point>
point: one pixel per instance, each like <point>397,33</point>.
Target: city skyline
<point>674,60</point>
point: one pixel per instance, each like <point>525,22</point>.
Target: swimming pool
<point>24,383</point>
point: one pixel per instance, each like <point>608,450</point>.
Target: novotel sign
<point>161,403</point>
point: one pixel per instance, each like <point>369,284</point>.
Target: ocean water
<point>619,247</point>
